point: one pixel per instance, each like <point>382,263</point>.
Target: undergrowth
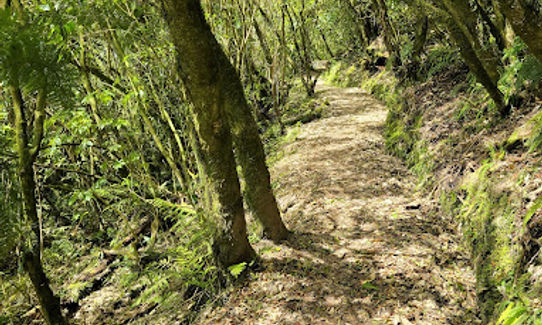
<point>489,204</point>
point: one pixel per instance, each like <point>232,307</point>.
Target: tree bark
<point>390,35</point>
<point>27,150</point>
<point>49,303</point>
<point>465,19</point>
<point>461,26</point>
<point>359,23</point>
<point>477,68</point>
<point>526,24</point>
<point>200,66</point>
<point>223,116</point>
<point>497,33</point>
<point>421,36</point>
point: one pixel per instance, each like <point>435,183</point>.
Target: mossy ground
<point>483,173</point>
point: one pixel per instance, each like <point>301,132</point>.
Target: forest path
<point>365,249</point>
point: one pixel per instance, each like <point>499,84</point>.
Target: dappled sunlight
<point>365,248</point>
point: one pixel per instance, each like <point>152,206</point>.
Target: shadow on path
<point>365,249</point>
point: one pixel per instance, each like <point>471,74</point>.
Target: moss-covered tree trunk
<point>466,20</point>
<point>223,116</point>
<point>422,28</point>
<point>27,152</point>
<point>477,68</point>
<point>526,23</point>
<point>200,68</point>
<point>390,34</point>
<point>461,25</point>
<point>251,157</point>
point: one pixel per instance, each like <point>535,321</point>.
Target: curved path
<point>366,248</point>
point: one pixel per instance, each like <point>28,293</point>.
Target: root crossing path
<point>365,248</point>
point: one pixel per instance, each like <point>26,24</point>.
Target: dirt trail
<point>365,249</point>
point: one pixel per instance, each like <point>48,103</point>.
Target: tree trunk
<point>421,36</point>
<point>326,44</point>
<point>477,68</point>
<point>263,43</point>
<point>359,23</point>
<point>390,35</point>
<point>497,33</point>
<point>201,64</point>
<point>50,305</point>
<point>27,152</point>
<point>465,19</point>
<point>526,24</point>
<point>462,27</point>
<point>301,48</point>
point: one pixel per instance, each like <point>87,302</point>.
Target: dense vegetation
<point>133,136</point>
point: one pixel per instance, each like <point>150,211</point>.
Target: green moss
<point>345,75</point>
<point>489,219</point>
<point>488,204</point>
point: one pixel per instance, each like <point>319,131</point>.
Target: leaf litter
<point>365,248</point>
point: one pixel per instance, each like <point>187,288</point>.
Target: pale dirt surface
<point>365,248</point>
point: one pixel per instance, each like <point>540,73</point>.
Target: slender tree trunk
<point>462,28</point>
<point>301,50</point>
<point>28,150</point>
<point>477,68</point>
<point>390,35</point>
<point>465,20</point>
<point>421,36</point>
<point>500,21</point>
<point>49,303</point>
<point>495,31</point>
<point>526,23</point>
<point>263,43</point>
<point>328,48</point>
<point>359,23</point>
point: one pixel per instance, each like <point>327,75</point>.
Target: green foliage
<point>401,133</point>
<point>30,59</point>
<point>439,57</point>
<point>537,204</point>
<point>488,216</point>
<point>345,75</point>
<point>535,141</point>
<point>530,73</point>
<point>517,313</point>
<point>237,269</point>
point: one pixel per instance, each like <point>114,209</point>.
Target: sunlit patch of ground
<point>366,248</point>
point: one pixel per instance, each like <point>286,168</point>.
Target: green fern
<point>30,60</point>
<point>517,313</point>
